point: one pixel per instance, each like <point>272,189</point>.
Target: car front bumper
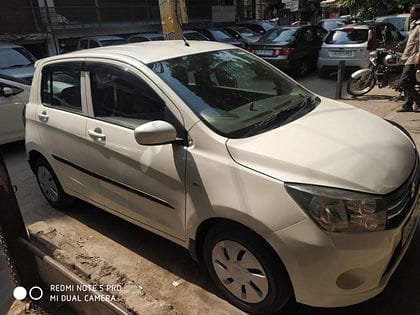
<point>338,269</point>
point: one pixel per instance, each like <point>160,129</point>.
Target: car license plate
<point>411,224</point>
<point>264,52</point>
<point>346,53</point>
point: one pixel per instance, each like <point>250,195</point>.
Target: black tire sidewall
<point>280,289</point>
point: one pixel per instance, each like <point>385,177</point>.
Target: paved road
<point>156,263</point>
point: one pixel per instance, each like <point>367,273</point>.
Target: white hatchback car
<point>278,191</point>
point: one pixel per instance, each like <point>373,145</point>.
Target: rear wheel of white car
<point>360,86</point>
<point>246,269</point>
<point>50,186</point>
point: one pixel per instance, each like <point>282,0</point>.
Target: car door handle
<point>96,134</point>
<point>43,116</point>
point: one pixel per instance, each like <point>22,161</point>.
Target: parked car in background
<point>277,191</point>
<point>194,35</point>
<point>258,26</point>
<point>330,24</point>
<point>291,48</point>
<point>243,33</point>
<point>16,62</point>
<point>14,94</point>
<point>218,34</point>
<point>352,43</point>
<point>400,21</point>
<point>100,41</point>
<point>145,37</point>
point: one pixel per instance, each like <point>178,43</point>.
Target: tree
<point>372,8</point>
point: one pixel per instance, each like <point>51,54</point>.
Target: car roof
<point>102,37</point>
<point>145,52</point>
<point>8,45</point>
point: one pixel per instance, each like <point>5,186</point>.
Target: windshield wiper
<point>283,116</point>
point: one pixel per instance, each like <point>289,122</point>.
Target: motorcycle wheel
<point>360,86</point>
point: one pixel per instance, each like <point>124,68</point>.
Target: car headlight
<point>338,210</point>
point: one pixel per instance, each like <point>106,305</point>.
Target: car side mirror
<point>155,133</point>
<point>6,91</point>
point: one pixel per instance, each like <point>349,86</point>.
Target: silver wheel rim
<point>47,183</point>
<point>239,271</point>
<point>361,85</point>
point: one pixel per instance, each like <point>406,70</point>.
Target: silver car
<point>352,44</point>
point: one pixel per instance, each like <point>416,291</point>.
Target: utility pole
<point>173,13</point>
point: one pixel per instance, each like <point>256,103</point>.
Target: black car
<point>218,34</point>
<point>291,48</point>
<point>258,26</point>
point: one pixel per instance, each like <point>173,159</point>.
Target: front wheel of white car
<point>246,269</point>
<point>50,186</point>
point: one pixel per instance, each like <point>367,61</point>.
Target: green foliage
<point>372,8</point>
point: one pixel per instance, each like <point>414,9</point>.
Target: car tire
<point>50,186</point>
<point>246,269</point>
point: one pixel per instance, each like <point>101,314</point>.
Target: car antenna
<point>180,25</point>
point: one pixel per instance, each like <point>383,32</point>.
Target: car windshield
<point>279,35</point>
<point>234,93</point>
<point>347,36</point>
<point>15,57</point>
<point>220,34</point>
<point>110,42</point>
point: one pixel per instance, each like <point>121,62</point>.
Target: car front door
<point>11,107</point>
<point>61,120</point>
<point>143,183</point>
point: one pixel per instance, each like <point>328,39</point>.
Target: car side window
<point>121,97</point>
<point>84,44</point>
<point>93,44</point>
<point>61,86</point>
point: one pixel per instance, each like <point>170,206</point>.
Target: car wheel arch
<point>195,245</point>
<point>33,157</point>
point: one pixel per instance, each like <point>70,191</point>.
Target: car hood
<point>335,145</point>
<point>19,72</point>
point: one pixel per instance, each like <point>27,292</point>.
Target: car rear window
<point>347,36</point>
<point>279,35</point>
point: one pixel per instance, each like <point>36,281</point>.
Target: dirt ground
<point>159,277</point>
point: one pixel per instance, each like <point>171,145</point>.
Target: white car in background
<point>16,72</point>
<point>14,94</point>
<point>278,191</point>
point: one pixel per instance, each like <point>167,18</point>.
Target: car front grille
<point>401,201</point>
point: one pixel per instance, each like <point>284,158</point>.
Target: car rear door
<point>145,184</point>
<point>61,120</point>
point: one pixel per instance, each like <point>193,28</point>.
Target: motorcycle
<point>385,70</point>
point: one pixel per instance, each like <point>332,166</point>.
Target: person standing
<point>410,57</point>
